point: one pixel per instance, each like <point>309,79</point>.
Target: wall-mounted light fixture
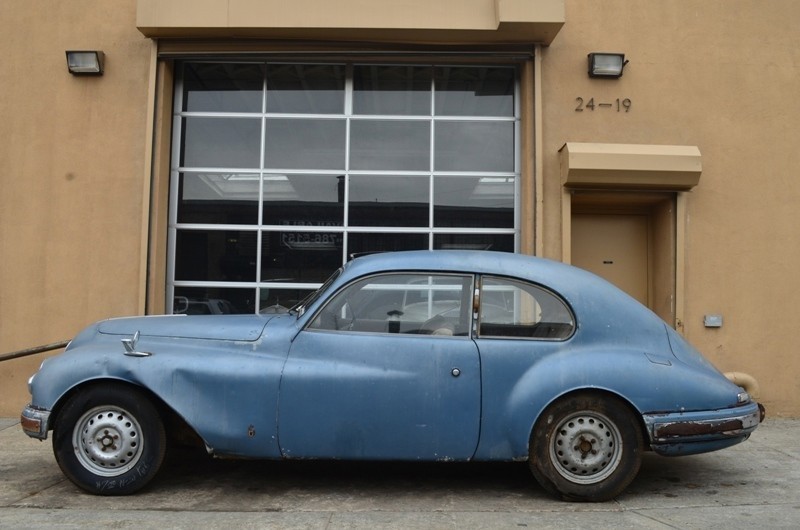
<point>85,62</point>
<point>608,65</point>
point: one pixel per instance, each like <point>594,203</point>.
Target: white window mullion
<point>348,114</point>
<point>172,231</point>
<point>432,162</point>
<point>517,165</point>
<point>262,165</point>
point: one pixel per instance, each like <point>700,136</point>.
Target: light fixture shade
<point>606,64</point>
<point>85,62</point>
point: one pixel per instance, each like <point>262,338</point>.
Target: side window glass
<point>408,303</point>
<point>514,309</point>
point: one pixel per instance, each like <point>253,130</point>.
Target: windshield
<point>301,306</point>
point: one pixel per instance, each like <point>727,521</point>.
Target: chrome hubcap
<point>586,447</point>
<point>107,441</point>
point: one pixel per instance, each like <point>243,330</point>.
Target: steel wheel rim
<point>108,441</point>
<point>586,447</point>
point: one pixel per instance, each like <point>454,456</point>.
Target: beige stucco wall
<point>722,75</point>
<point>71,176</point>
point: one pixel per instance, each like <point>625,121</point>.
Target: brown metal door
<point>615,247</point>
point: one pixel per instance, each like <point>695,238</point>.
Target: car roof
<point>599,306</point>
<point>548,272</point>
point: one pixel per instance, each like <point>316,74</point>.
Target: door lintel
<point>630,166</point>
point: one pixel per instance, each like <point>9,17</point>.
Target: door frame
<point>621,168</point>
<point>666,239</point>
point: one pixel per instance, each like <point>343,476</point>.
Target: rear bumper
<point>699,432</point>
<point>34,422</point>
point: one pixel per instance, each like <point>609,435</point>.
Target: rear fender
<point>647,382</point>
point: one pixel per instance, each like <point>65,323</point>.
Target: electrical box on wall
<point>712,321</point>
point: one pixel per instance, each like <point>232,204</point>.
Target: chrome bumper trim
<point>34,422</point>
<point>671,428</point>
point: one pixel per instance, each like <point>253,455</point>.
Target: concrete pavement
<point>750,485</point>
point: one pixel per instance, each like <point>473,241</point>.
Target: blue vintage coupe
<point>426,356</point>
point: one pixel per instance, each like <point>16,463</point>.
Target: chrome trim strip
<point>671,429</point>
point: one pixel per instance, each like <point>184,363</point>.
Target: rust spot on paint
<point>697,429</point>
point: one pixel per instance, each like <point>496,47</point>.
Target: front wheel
<point>109,440</point>
<point>586,448</point>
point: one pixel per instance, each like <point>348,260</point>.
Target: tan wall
<point>71,176</point>
<point>719,74</point>
<point>722,75</point>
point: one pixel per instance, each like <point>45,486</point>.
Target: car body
<point>423,355</point>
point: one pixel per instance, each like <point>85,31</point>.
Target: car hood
<point>211,327</point>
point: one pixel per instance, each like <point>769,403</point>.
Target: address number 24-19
<point>620,105</point>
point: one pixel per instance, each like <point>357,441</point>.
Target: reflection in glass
<point>304,143</point>
<point>385,242</point>
<point>221,142</point>
<point>223,87</point>
<point>510,308</point>
<point>474,91</point>
<point>497,242</point>
<point>483,202</point>
<point>213,301</point>
<point>275,184</point>
<point>305,88</point>
<point>307,200</point>
<point>300,257</point>
<point>420,304</point>
<point>278,300</point>
<point>215,255</point>
<point>392,90</point>
<point>390,145</point>
<point>219,198</point>
<point>388,201</point>
<point>474,146</point>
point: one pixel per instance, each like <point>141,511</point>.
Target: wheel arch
<point>176,427</point>
<point>625,374</point>
<point>599,393</point>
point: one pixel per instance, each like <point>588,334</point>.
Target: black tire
<point>109,440</point>
<point>586,447</point>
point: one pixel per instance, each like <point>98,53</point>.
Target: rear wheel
<point>586,447</point>
<point>109,440</point>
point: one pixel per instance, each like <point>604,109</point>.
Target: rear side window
<point>514,309</point>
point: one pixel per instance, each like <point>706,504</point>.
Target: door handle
<point>455,372</point>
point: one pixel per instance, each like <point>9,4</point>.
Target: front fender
<point>227,392</point>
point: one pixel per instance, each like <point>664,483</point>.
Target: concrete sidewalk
<point>752,484</point>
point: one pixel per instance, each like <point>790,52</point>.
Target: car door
<point>521,329</point>
<point>385,370</point>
